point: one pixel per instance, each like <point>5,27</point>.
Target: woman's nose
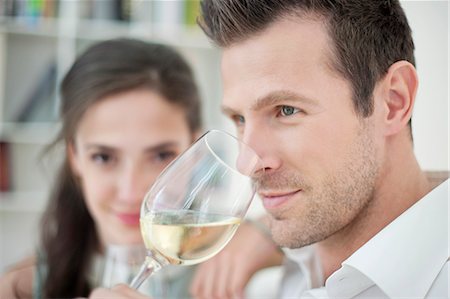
<point>133,184</point>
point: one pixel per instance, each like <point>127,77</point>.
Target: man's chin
<point>286,243</point>
<point>286,234</point>
<point>280,232</point>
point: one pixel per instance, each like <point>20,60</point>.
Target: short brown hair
<point>369,35</point>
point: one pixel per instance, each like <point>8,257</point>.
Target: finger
<point>224,270</point>
<point>101,293</point>
<point>208,283</point>
<point>128,292</point>
<point>119,291</point>
<point>198,283</point>
<point>237,283</point>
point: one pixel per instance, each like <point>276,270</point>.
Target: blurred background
<point>39,40</point>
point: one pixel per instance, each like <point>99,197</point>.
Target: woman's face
<point>121,144</point>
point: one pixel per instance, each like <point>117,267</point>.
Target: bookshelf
<point>39,40</point>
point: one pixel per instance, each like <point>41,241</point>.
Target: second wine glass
<point>197,203</point>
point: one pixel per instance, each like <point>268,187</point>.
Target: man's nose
<point>260,142</point>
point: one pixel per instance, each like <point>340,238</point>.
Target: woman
<point>128,109</point>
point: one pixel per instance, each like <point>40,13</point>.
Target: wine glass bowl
<point>197,203</point>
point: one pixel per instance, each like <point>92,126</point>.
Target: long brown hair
<point>69,237</point>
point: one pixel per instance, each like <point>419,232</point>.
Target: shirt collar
<point>404,258</point>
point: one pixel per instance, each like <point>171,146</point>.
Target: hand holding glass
<point>197,203</point>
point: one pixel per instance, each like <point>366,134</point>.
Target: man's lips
<point>129,218</point>
<point>276,199</point>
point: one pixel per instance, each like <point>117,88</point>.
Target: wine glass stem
<point>149,267</point>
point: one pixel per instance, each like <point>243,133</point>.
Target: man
<point>323,91</point>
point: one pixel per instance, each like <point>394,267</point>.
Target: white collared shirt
<point>409,258</point>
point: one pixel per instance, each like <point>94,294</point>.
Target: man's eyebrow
<point>273,98</point>
<point>279,97</point>
<point>228,111</point>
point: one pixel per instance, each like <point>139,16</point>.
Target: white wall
<point>429,21</point>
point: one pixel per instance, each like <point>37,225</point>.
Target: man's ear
<point>399,95</point>
<point>72,157</point>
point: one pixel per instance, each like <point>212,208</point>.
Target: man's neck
<point>401,184</point>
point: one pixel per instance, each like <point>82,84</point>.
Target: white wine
<point>187,237</point>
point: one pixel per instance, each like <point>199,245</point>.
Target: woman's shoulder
<point>17,282</point>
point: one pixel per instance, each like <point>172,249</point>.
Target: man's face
<point>289,105</point>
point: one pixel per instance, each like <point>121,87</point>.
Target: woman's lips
<point>131,219</point>
<point>274,200</point>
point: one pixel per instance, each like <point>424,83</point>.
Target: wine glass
<point>121,262</point>
<point>197,203</point>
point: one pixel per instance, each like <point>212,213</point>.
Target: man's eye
<point>288,110</point>
<point>238,119</point>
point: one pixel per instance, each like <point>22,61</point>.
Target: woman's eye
<point>101,158</point>
<point>164,156</point>
<point>288,110</point>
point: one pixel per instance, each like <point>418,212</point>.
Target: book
<point>191,12</point>
<point>39,106</point>
<point>4,167</point>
